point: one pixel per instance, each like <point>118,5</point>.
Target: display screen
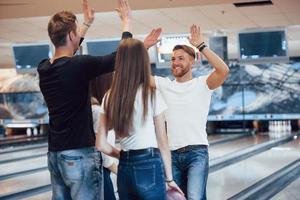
<point>227,103</point>
<point>101,48</point>
<point>27,57</point>
<point>265,45</point>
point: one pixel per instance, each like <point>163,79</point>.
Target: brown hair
<point>100,85</point>
<point>60,25</point>
<point>187,49</point>
<point>132,71</point>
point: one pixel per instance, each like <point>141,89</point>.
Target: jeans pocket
<point>144,176</point>
<point>72,167</point>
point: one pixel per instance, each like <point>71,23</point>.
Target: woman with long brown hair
<point>135,111</point>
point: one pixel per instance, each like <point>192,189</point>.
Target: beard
<point>179,70</point>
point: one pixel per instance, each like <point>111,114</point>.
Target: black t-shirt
<point>65,87</point>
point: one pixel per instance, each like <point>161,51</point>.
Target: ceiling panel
<point>287,5</point>
<point>29,8</point>
<point>174,16</point>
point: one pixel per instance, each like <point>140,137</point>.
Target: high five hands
<point>196,37</point>
<point>152,38</point>
<point>88,13</point>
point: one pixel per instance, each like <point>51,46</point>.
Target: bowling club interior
<point>253,122</point>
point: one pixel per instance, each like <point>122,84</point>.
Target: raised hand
<point>88,13</point>
<point>196,37</point>
<point>152,38</point>
<point>124,10</point>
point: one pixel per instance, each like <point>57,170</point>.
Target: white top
<point>111,137</point>
<point>188,106</point>
<point>142,134</point>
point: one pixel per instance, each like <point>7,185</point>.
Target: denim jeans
<point>76,174</point>
<point>141,176</point>
<point>109,192</point>
<point>190,172</point>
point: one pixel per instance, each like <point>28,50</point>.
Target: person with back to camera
<point>109,164</point>
<point>188,101</point>
<point>135,110</point>
<point>74,164</point>
<point>99,86</point>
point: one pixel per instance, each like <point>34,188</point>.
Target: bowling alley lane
<point>214,137</point>
<point>232,179</point>
<point>290,192</point>
<point>25,182</point>
<point>23,165</point>
<point>41,196</point>
<point>22,154</point>
<point>235,145</point>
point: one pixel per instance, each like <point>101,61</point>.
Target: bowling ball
<point>174,195</point>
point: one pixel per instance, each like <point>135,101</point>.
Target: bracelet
<point>86,24</point>
<point>169,181</point>
<point>200,45</point>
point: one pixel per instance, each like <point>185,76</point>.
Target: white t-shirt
<point>142,134</point>
<point>111,137</point>
<point>188,105</point>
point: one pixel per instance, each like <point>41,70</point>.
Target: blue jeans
<point>109,192</point>
<point>76,174</point>
<point>141,175</point>
<point>190,172</point>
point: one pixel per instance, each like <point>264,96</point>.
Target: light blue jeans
<point>76,174</point>
<point>190,172</point>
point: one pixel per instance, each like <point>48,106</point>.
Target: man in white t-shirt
<point>188,101</point>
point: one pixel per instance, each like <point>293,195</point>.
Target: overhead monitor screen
<point>264,46</point>
<point>103,47</point>
<point>28,56</point>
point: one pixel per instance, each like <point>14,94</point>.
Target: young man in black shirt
<point>74,164</point>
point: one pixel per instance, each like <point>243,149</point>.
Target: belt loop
<point>152,152</point>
